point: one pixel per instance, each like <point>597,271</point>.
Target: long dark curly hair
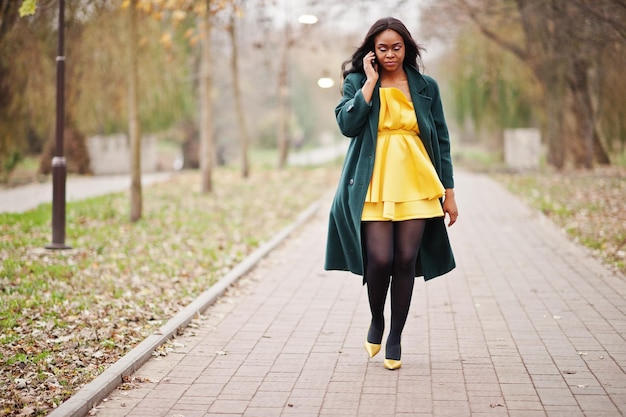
<point>413,55</point>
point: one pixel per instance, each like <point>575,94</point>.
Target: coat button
<point>351,181</point>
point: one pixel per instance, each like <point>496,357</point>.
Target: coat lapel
<point>422,104</point>
<point>375,113</point>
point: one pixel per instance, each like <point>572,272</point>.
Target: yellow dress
<point>404,183</point>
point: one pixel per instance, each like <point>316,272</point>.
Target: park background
<point>224,93</point>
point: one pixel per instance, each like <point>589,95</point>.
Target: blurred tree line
<point>169,68</point>
<point>96,78</point>
<point>553,64</point>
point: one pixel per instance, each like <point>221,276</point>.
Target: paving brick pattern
<point>528,325</point>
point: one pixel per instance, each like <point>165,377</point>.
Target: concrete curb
<point>91,394</point>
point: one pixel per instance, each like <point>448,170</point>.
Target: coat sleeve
<point>443,137</point>
<point>352,111</point>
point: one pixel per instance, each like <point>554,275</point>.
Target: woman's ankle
<point>375,332</point>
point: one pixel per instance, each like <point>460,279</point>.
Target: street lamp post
<point>59,167</point>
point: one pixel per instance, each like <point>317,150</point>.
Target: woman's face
<point>390,50</point>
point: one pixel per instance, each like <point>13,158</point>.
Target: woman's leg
<point>378,244</point>
<point>407,240</point>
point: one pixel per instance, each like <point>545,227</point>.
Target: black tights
<point>391,249</point>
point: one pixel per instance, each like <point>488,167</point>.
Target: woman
<point>387,218</point>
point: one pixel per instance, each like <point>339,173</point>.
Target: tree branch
<point>614,21</point>
<point>521,53</point>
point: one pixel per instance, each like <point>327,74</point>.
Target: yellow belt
<point>398,132</point>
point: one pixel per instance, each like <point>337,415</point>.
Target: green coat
<point>359,120</point>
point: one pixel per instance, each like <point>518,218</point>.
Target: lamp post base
<point>57,246</point>
<point>59,174</point>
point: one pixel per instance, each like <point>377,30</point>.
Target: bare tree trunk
<point>134,128</point>
<point>554,128</point>
<point>589,148</point>
<point>241,118</point>
<point>206,112</point>
<point>8,16</point>
<point>283,103</point>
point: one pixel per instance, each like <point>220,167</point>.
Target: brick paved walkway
<point>528,325</point>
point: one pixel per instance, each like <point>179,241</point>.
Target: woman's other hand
<point>449,207</point>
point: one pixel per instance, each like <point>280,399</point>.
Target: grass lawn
<point>65,316</point>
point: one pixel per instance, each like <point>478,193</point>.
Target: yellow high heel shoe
<point>371,348</point>
<point>392,364</point>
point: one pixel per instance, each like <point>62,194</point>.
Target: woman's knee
<point>380,263</point>
<point>403,265</point>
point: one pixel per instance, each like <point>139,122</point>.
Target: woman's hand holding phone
<point>371,72</point>
<point>370,66</point>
